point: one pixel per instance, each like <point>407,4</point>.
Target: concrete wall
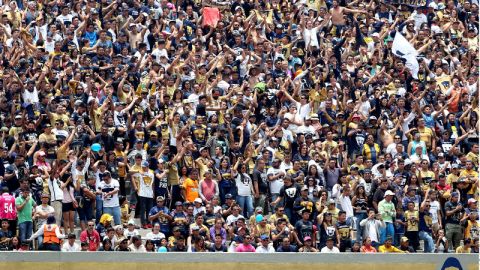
<point>231,261</point>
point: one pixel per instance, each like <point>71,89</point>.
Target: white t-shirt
<point>327,250</point>
<point>68,248</point>
<point>112,200</point>
<point>155,237</point>
<point>310,36</point>
<point>128,233</point>
<point>244,185</point>
<point>159,52</point>
<point>434,207</point>
<point>277,184</point>
<point>30,97</point>
<point>47,209</point>
<point>146,183</point>
<point>262,249</point>
<point>232,219</point>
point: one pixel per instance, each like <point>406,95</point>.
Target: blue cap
<point>264,237</point>
<point>454,194</point>
<point>145,163</point>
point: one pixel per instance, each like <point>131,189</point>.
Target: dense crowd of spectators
<point>239,125</point>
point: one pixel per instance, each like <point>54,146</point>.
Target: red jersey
<point>7,207</point>
<point>93,239</point>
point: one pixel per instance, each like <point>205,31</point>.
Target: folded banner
<point>211,16</point>
<point>402,48</point>
<point>413,3</point>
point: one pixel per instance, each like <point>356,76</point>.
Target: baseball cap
<point>131,222</point>
<point>307,238</point>
<point>144,163</point>
<point>388,193</point>
<point>471,200</point>
<point>330,201</point>
<point>264,237</point>
<point>228,196</point>
<point>197,200</point>
<point>454,194</point>
<point>404,239</point>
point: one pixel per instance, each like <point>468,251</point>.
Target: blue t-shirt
<point>164,227</point>
<point>92,37</point>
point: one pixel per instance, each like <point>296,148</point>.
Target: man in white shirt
<point>275,178</point>
<point>145,192</point>
<point>109,188</point>
<point>265,246</point>
<point>330,248</point>
<point>70,245</point>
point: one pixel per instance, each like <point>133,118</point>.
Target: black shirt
<point>261,178</point>
<point>290,194</point>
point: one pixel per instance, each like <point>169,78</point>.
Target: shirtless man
<point>337,15</point>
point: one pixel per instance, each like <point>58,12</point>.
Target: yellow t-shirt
<point>391,249</point>
<point>470,174</point>
<point>426,135</point>
<point>473,157</point>
<point>471,230</point>
<point>263,230</point>
<point>412,221</point>
<point>55,116</point>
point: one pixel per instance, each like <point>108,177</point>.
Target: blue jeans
<point>246,203</point>
<point>429,246</point>
<point>115,212</point>
<point>397,238</point>
<point>274,197</point>
<point>387,231</point>
<point>144,208</point>
<point>99,208</point>
<point>25,230</point>
<point>359,217</point>
<point>292,217</point>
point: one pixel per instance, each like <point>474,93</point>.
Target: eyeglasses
<point>90,225</point>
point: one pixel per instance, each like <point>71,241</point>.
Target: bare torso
<point>337,16</point>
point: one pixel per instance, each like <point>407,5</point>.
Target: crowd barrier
<point>233,261</point>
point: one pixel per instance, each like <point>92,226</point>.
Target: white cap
<point>389,193</point>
